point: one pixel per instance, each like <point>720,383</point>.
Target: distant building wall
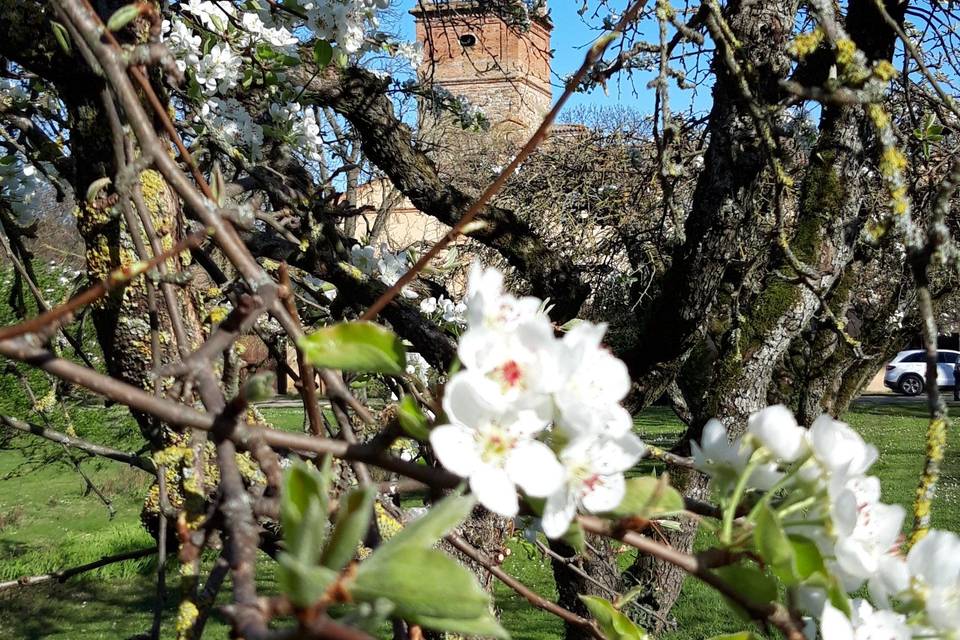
<point>472,52</point>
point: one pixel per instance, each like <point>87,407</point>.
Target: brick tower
<point>471,51</point>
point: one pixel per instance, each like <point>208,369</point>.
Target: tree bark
<point>593,572</point>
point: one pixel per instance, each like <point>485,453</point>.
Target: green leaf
<point>613,624</point>
<point>750,582</point>
<point>264,52</point>
<point>303,511</point>
<point>355,346</point>
<point>322,53</point>
<point>428,588</point>
<point>426,530</point>
<point>575,537</point>
<point>412,420</point>
<point>740,635</point>
<point>366,616</point>
<point>774,546</point>
<point>61,36</point>
<point>353,518</point>
<point>649,496</point>
<point>122,17</point>
<point>807,558</point>
<point>303,583</point>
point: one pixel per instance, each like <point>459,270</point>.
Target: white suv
<point>907,372</point>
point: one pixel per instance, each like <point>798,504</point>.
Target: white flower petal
<point>834,625</point>
<point>495,491</point>
<point>777,430</point>
<point>456,448</point>
<point>936,559</point>
<point>534,468</point>
<point>558,513</point>
<point>463,401</point>
<point>526,423</point>
<point>615,455</point>
<point>604,494</point>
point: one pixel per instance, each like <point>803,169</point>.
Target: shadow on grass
<point>92,609</point>
<point>117,609</point>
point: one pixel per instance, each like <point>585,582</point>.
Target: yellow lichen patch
<point>899,201</point>
<point>805,44</point>
<point>174,455</point>
<point>249,470</point>
<point>664,10</point>
<point>879,116</point>
<point>386,523</point>
<point>217,314</point>
<point>892,160</point>
<point>186,618</point>
<point>187,570</point>
<point>936,444</point>
<point>46,403</point>
<point>154,190</point>
<point>99,260</point>
<point>885,71</point>
<point>846,53</point>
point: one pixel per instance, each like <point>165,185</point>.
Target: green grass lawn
<point>48,523</point>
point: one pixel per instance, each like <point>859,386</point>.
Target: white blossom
<point>417,365</point>
<point>230,120</point>
<point>865,623</point>
<point>522,391</point>
<point>489,307</point>
<point>838,449</point>
<point>452,312</point>
<point>364,258</point>
<point>776,429</point>
<point>212,15</point>
<point>725,461</point>
<point>495,450</point>
<point>593,467</point>
<point>343,21</point>
<point>183,43</point>
<point>519,368</point>
<point>428,305</point>
<point>219,70</point>
<point>595,381</point>
<point>934,567</point>
<point>411,52</point>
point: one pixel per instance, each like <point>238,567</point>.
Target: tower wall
<point>505,72</point>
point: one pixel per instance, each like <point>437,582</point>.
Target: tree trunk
<point>663,581</point>
<point>593,572</point>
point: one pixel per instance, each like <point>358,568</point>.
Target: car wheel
<point>911,384</point>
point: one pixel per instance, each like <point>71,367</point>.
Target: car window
<point>949,358</point>
<point>915,357</point>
